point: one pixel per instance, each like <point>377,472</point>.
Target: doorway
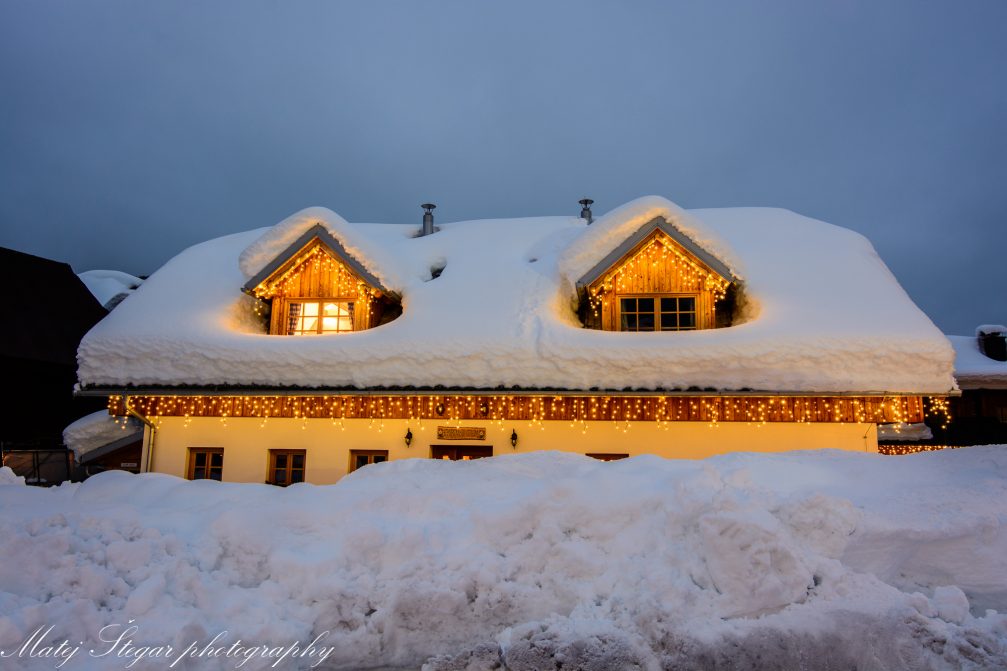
<point>460,452</point>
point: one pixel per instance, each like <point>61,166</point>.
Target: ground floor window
<point>460,452</point>
<point>361,458</point>
<point>286,467</point>
<point>606,456</point>
<point>206,463</point>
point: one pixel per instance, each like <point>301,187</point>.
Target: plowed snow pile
<point>817,560</point>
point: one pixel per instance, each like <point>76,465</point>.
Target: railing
<point>40,463</point>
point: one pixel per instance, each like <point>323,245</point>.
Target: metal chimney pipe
<point>428,219</point>
<point>585,210</point>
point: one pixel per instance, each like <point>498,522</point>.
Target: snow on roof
<point>823,313</point>
<point>97,430</point>
<point>107,285</point>
<point>277,239</point>
<point>975,370</point>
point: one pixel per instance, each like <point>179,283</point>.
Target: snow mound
<point>538,561</point>
<point>7,477</point>
<point>610,230</point>
<point>278,238</point>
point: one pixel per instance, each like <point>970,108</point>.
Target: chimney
<point>585,210</point>
<point>992,342</point>
<point>428,219</point>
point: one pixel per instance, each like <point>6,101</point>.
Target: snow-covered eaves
<point>93,435</point>
<point>821,313</point>
<point>975,370</point>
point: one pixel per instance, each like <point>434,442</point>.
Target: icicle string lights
<point>534,410</point>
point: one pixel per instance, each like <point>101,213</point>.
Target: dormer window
<point>658,313</point>
<point>319,317</point>
<point>657,280</point>
<point>316,288</point>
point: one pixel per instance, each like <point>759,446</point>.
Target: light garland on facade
<point>663,257</point>
<point>535,410</point>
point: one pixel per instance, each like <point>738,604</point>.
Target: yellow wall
<point>246,445</point>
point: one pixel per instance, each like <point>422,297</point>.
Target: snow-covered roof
<point>97,430</point>
<point>975,370</point>
<point>822,312</point>
<point>110,287</point>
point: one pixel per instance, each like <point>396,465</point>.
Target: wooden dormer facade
<point>657,280</point>
<point>315,287</point>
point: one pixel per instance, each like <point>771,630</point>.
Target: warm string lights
<point>900,449</point>
<point>534,410</point>
<point>659,261</point>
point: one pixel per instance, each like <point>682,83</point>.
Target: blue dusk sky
<point>131,130</point>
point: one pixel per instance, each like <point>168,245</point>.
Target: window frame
<point>289,468</point>
<point>190,469</point>
<point>350,308</point>
<point>657,312</point>
<point>370,454</point>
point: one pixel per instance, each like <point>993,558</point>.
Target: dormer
<point>315,287</point>
<point>658,279</point>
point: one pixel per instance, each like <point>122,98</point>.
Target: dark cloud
<point>131,130</point>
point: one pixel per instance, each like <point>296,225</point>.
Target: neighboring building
<point>306,350</point>
<point>110,287</point>
<point>48,312</point>
<point>979,415</point>
<point>101,442</point>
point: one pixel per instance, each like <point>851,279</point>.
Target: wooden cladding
<point>851,409</point>
<point>315,277</point>
<point>657,267</point>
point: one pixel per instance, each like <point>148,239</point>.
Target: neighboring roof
<point>109,287</point>
<point>822,313</point>
<point>48,308</point>
<point>975,370</point>
<point>320,232</point>
<point>99,433</point>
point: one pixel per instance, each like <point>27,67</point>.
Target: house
<point>38,345</point>
<point>316,346</point>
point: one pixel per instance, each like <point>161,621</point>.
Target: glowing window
<point>317,317</point>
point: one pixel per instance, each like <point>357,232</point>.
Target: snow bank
<point>97,430</point>
<point>975,370</point>
<point>812,560</point>
<point>109,286</point>
<point>831,317</point>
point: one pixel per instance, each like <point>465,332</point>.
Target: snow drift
<point>538,561</point>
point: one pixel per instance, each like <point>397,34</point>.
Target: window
<point>460,452</point>
<point>606,456</point>
<point>206,463</point>
<point>657,313</point>
<point>286,467</point>
<point>361,458</point>
<point>315,317</point>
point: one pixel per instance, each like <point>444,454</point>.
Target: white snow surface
<point>975,370</point>
<point>825,560</point>
<point>97,430</point>
<point>107,284</point>
<point>824,314</point>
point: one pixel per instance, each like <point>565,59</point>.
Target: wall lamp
<point>409,437</point>
<point>513,438</point>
